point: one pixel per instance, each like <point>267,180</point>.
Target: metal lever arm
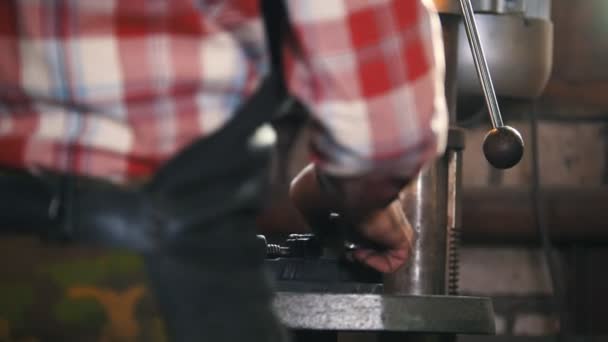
<point>503,145</point>
<point>483,71</point>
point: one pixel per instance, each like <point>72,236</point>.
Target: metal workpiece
<point>385,313</point>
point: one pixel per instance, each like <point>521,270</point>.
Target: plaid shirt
<point>113,88</point>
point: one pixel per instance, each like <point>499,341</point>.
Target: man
<point>113,90</point>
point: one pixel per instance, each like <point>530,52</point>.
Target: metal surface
<point>540,9</point>
<point>503,147</point>
<point>517,36</point>
<point>350,312</point>
<point>527,8</point>
<point>450,28</point>
<point>519,52</point>
<point>484,6</point>
<point>481,66</point>
<point>454,220</point>
<point>425,201</point>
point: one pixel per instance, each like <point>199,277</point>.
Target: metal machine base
<point>328,295</point>
<point>371,312</point>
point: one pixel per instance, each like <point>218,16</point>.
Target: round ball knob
<point>503,147</point>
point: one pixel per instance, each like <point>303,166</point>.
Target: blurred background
<point>56,293</point>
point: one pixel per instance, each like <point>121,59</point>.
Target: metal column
<point>426,202</point>
<point>431,205</point>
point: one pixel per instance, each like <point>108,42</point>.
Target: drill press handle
<point>503,146</point>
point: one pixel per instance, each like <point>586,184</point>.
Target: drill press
<point>319,295</point>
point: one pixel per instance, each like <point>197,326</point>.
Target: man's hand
<point>364,206</point>
<point>389,229</point>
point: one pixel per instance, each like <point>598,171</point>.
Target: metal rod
<point>480,63</point>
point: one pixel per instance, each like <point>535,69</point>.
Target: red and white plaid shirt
<point>129,83</point>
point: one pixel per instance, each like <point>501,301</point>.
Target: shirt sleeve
<point>372,74</point>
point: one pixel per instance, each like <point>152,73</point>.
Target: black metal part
<point>320,270</point>
<point>294,246</point>
<point>304,245</point>
<point>503,147</point>
<point>313,335</point>
<point>372,312</point>
<point>415,337</point>
<point>453,261</point>
<point>456,139</point>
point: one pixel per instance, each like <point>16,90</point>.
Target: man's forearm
<point>317,194</point>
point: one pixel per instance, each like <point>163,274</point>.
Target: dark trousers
<point>203,300</point>
<point>194,224</point>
